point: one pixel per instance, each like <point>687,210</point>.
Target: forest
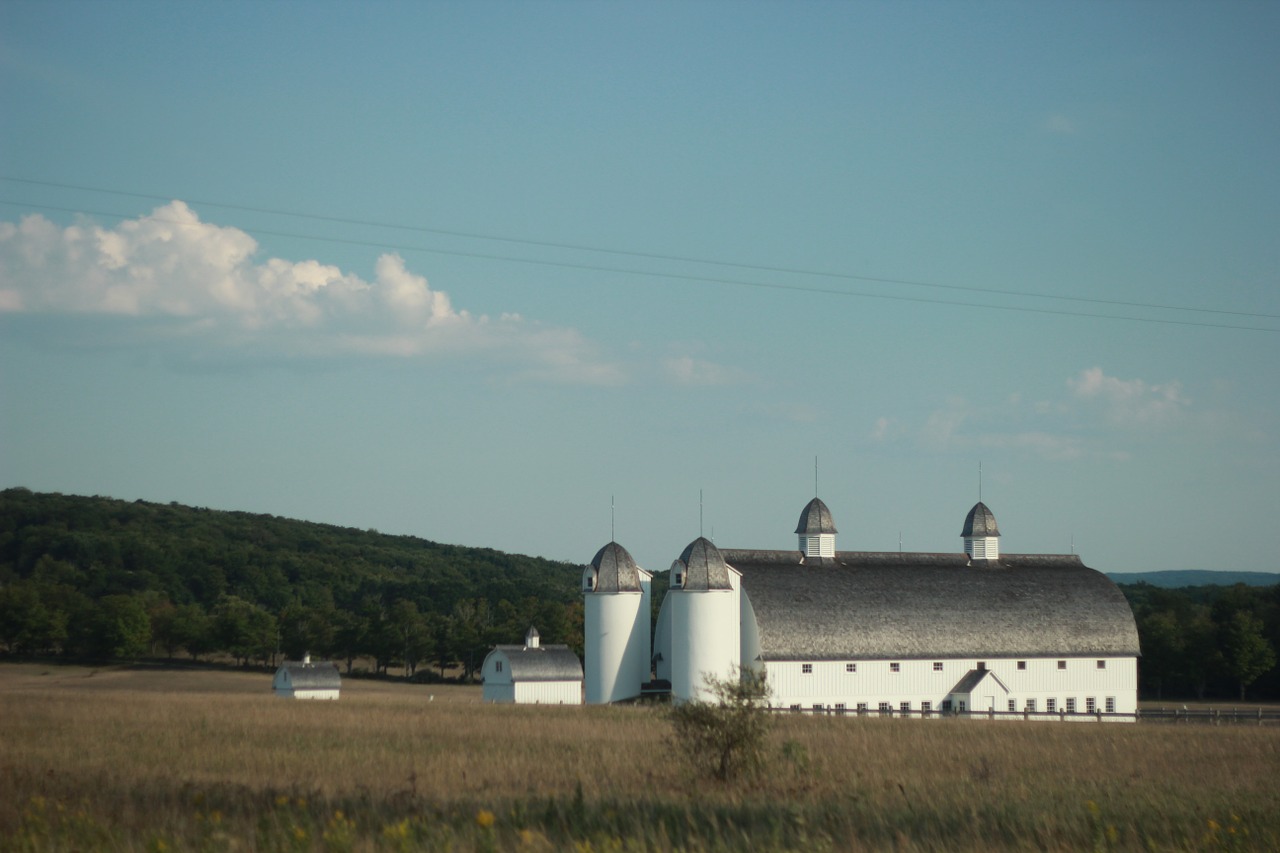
<point>92,578</point>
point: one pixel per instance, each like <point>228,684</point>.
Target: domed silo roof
<point>816,518</point>
<point>705,567</point>
<point>615,570</point>
<point>979,522</point>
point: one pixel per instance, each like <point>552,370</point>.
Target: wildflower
<point>299,833</point>
<point>282,800</point>
<point>485,818</point>
<point>1214,826</point>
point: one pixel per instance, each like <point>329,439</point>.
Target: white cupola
<point>981,536</point>
<point>816,530</point>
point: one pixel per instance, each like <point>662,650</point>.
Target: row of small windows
<point>1030,706</point>
<point>895,666</point>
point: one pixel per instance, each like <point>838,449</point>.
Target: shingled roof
<point>816,518</point>
<point>615,570</point>
<point>321,675</point>
<point>542,663</point>
<point>892,605</point>
<point>980,521</point>
<point>704,566</point>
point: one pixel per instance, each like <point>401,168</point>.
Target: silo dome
<point>704,566</point>
<point>612,570</point>
<point>816,519</point>
<point>979,522</point>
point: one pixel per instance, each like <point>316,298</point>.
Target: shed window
<point>1013,705</point>
<point>925,708</point>
<point>806,668</point>
<point>840,706</point>
<point>1062,664</point>
<point>895,667</point>
<point>1031,706</point>
<point>862,707</point>
<point>819,707</point>
<point>1071,705</point>
<point>886,709</point>
<point>905,708</point>
<point>1090,705</point>
<point>851,667</point>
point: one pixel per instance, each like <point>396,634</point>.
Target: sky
<point>532,276</point>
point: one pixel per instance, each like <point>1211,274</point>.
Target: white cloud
<point>687,370</point>
<point>1130,402</point>
<point>200,277</point>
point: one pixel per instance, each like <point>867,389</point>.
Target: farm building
<point>888,633</point>
<point>532,674</point>
<point>303,679</point>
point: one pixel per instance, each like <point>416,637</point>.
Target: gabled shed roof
<point>895,605</point>
<point>318,675</point>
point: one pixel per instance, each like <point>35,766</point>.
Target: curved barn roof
<point>816,518</point>
<point>615,570</point>
<point>704,567</point>
<point>892,605</point>
<point>542,663</point>
<point>980,522</point>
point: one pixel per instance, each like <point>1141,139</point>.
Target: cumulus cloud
<point>1130,402</point>
<point>200,277</point>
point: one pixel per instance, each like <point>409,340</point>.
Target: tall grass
<point>136,760</point>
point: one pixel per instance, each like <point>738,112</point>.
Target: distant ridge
<point>1196,577</point>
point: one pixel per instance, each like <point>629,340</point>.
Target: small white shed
<point>533,674</point>
<point>303,679</point>
<point>979,690</point>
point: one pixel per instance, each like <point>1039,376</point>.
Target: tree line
<point>96,578</point>
<point>1207,641</point>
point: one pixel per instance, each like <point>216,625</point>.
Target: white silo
<point>615,626</point>
<point>705,628</point>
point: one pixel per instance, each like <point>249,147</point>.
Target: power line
<point>716,279</point>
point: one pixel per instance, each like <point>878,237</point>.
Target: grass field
<point>155,760</point>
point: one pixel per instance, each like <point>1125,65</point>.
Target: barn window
<point>1062,664</point>
<point>1022,664</point>
<point>1031,706</point>
<point>851,667</point>
<point>862,707</point>
<point>961,709</point>
<point>926,708</point>
<point>1090,705</point>
<point>1013,706</point>
<point>1051,705</point>
<point>818,707</point>
<point>886,709</point>
<point>1111,704</point>
<point>982,666</point>
<point>840,707</point>
<point>795,707</point>
<point>937,666</point>
<point>806,668</point>
<point>1071,705</point>
<point>905,708</point>
<point>1102,664</point>
<point>895,667</point>
<point>946,704</point>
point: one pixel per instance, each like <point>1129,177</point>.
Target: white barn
<point>532,674</point>
<point>306,680</point>
<point>894,633</point>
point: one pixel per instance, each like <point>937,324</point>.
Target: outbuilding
<point>533,674</point>
<point>304,679</point>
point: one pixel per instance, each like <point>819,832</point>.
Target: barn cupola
<point>700,567</point>
<point>532,638</point>
<point>611,570</point>
<point>816,530</point>
<point>981,536</point>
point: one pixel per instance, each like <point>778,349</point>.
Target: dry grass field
<point>154,760</point>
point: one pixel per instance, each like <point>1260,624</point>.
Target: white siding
<point>916,681</point>
<point>705,637</point>
<point>548,692</point>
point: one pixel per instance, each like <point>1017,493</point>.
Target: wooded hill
<point>102,578</point>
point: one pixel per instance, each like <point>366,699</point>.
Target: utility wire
<point>488,256</point>
<point>636,254</point>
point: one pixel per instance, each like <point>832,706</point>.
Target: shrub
<point>726,738</point>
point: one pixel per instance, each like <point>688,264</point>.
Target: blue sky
<point>479,272</point>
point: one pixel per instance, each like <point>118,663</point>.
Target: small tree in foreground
<point>726,737</point>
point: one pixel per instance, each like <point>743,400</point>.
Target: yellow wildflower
<point>485,818</point>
